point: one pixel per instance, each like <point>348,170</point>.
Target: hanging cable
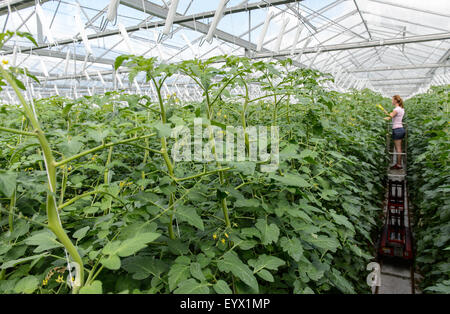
<point>111,15</point>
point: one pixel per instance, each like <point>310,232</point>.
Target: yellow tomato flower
<point>225,116</point>
<point>214,236</point>
<point>223,241</point>
<point>70,168</point>
<point>121,184</point>
<point>60,279</point>
<point>44,282</point>
<point>5,62</point>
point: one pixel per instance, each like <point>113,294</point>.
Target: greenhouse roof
<point>394,47</point>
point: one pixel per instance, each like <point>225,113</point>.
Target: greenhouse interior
<point>253,147</point>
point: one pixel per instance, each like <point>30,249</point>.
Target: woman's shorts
<point>398,134</point>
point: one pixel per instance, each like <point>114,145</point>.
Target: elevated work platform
<point>396,249</point>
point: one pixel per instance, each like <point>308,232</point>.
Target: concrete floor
<point>395,279</point>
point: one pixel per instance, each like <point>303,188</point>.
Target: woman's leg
<point>398,149</point>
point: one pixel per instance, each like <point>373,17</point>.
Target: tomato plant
<point>138,221</point>
<point>428,121</point>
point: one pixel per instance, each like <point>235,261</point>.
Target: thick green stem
<point>63,185</point>
<point>12,205</point>
<point>17,131</point>
<point>165,154</point>
<point>243,120</point>
<point>100,147</point>
<point>106,181</point>
<point>221,175</point>
<point>171,232</point>
<point>144,161</point>
<point>76,198</point>
<point>54,223</point>
<point>202,174</point>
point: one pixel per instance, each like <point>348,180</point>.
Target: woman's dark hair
<point>398,100</point>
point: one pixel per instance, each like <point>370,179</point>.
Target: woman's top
<point>397,119</point>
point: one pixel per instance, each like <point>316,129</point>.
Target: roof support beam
<point>62,55</point>
<point>442,60</point>
<point>396,84</point>
<point>159,11</point>
<point>400,78</point>
<point>17,4</point>
<point>362,18</point>
<point>360,45</point>
<point>399,68</point>
<point>406,21</point>
<point>410,8</point>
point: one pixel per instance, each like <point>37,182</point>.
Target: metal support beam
<point>161,12</point>
<point>61,55</point>
<point>399,68</point>
<point>410,8</point>
<point>442,60</point>
<point>360,45</point>
<point>401,78</point>
<point>362,18</point>
<point>17,4</point>
<point>396,84</point>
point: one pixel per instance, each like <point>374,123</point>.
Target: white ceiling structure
<point>390,46</point>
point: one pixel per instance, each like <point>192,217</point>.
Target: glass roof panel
<point>340,27</point>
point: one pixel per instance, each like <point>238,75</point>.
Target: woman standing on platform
<point>398,132</point>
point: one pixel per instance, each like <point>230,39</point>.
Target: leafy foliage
<point>428,166</point>
<point>296,230</point>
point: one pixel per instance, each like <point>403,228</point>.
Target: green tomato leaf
<point>15,262</point>
<point>189,214</point>
<point>291,180</point>
<point>293,247</point>
<point>111,262</point>
<point>266,275</point>
<point>45,240</point>
<point>266,261</point>
<point>26,285</point>
<point>221,287</point>
<point>94,288</point>
<point>80,233</point>
<point>324,242</point>
<point>251,202</point>
<point>196,271</point>
<point>192,286</point>
<point>342,220</point>
<point>178,272</point>
<point>231,263</point>
<point>141,267</point>
<point>269,233</point>
<point>7,182</point>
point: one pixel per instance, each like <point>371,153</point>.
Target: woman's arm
<point>391,115</point>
